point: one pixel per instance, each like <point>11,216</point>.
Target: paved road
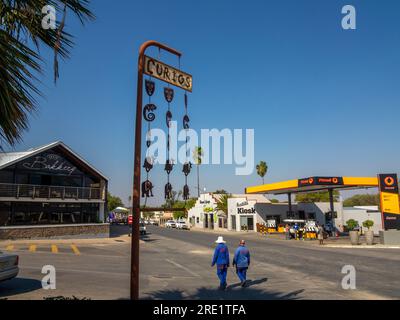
<point>377,270</point>
<point>175,264</point>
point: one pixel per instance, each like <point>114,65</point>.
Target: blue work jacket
<point>221,255</point>
<point>242,257</point>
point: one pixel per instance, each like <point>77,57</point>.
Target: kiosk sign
<point>164,72</point>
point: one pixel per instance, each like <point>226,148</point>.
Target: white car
<point>182,225</point>
<point>8,266</point>
<point>170,224</point>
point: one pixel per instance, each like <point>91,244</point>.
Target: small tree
<point>262,169</point>
<point>368,224</point>
<point>351,224</point>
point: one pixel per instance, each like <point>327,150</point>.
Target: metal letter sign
<point>164,72</point>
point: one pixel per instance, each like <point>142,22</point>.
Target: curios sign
<point>164,72</point>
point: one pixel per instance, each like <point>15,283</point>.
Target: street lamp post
<point>134,287</point>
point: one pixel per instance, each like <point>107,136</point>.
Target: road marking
<point>120,274</point>
<point>54,248</point>
<point>32,248</point>
<point>10,247</point>
<point>75,249</point>
<point>184,268</point>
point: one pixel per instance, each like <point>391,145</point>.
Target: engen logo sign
<point>389,198</point>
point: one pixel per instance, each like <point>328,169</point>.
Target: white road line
<point>184,268</point>
<point>122,274</point>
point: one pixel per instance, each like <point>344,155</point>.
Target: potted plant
<point>354,235</point>
<point>369,235</point>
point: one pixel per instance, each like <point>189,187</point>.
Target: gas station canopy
<point>312,184</point>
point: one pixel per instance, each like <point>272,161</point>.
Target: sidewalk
<point>331,242</point>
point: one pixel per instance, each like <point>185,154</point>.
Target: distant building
<point>246,210</point>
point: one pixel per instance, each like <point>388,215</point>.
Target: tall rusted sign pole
<point>137,166</point>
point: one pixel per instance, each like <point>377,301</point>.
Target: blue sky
<point>322,100</point>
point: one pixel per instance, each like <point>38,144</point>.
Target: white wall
<point>360,215</point>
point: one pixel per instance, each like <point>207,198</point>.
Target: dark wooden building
<point>50,186</point>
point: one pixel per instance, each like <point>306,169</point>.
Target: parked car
<point>170,224</point>
<point>8,266</point>
<point>182,225</point>
<point>142,229</point>
<point>154,222</point>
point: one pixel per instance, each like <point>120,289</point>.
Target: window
<point>311,215</point>
<point>6,176</point>
<point>5,213</point>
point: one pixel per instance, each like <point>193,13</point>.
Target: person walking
<point>321,235</point>
<point>242,262</point>
<point>296,231</point>
<point>287,232</point>
<point>221,259</point>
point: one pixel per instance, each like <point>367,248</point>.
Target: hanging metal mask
<point>186,192</point>
<point>168,191</point>
<point>169,166</point>
<point>169,94</point>
<point>148,113</point>
<point>150,87</point>
<point>168,118</point>
<point>186,168</point>
<point>186,122</point>
<point>148,164</point>
<point>147,189</point>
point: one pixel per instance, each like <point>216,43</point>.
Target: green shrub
<point>351,224</point>
<point>368,224</point>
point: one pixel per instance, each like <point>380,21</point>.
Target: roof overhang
<point>313,184</point>
<point>35,151</point>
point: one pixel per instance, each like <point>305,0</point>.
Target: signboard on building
<point>389,198</point>
<point>164,72</point>
<point>49,162</point>
<point>315,181</point>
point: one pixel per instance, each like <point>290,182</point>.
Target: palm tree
<point>222,203</point>
<point>262,169</point>
<point>198,157</point>
<point>21,35</point>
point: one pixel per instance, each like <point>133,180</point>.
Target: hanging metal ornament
<point>168,191</point>
<point>187,167</point>
<point>168,118</point>
<point>169,94</point>
<point>186,192</point>
<point>169,166</point>
<point>148,113</point>
<point>186,121</point>
<point>148,139</point>
<point>148,164</point>
<point>147,189</point>
<point>150,87</point>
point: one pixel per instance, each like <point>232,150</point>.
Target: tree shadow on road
<point>204,293</point>
<point>19,286</point>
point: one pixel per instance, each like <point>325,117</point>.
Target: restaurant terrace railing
<point>48,192</point>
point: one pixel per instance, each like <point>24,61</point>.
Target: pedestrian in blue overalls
<point>242,262</point>
<point>221,259</point>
